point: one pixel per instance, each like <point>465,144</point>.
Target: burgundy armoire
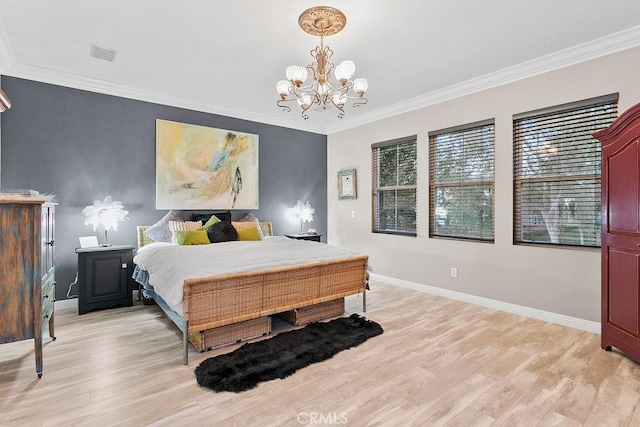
<point>621,234</point>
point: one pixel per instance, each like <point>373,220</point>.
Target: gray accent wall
<point>83,146</point>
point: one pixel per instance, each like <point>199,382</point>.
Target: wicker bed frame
<point>233,307</point>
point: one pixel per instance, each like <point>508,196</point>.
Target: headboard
<point>142,238</point>
<point>266,227</point>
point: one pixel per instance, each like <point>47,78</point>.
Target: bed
<point>222,293</point>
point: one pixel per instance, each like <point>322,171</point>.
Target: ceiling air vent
<point>103,53</point>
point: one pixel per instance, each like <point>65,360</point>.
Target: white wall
<point>563,281</point>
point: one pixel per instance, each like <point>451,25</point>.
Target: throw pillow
<point>183,226</point>
<point>192,237</point>
<point>250,234</point>
<point>248,230</point>
<point>160,231</point>
<point>222,232</point>
<point>252,218</point>
<point>213,220</point>
<point>248,218</point>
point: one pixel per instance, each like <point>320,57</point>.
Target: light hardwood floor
<point>439,362</point>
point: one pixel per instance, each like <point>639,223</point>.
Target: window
<point>461,179</point>
<point>394,176</point>
<point>557,173</point>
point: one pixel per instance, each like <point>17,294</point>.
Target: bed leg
<point>364,298</point>
<point>185,344</point>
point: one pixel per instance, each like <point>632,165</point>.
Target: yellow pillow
<point>191,237</point>
<point>183,226</point>
<point>249,230</point>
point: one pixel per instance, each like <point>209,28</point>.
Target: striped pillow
<point>249,230</point>
<point>183,226</point>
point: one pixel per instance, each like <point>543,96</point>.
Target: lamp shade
<point>360,86</point>
<point>303,211</point>
<point>283,87</point>
<point>304,101</point>
<point>296,74</point>
<point>339,99</point>
<point>345,70</point>
<point>107,213</point>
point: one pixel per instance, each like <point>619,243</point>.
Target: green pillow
<point>192,237</point>
<point>249,234</point>
<point>213,220</point>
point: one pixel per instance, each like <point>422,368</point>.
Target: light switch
<point>353,214</point>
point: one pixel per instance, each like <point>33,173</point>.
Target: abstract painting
<point>200,168</point>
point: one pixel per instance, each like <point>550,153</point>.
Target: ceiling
<point>225,57</point>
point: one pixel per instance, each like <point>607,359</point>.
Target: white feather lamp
<point>106,213</point>
<point>304,212</point>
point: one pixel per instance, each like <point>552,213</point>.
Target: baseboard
<point>560,319</point>
<point>66,303</point>
<point>73,302</point>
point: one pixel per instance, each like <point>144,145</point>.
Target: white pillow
<point>159,232</point>
<point>183,226</point>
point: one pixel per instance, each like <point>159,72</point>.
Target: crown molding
<point>577,54</point>
<point>604,46</point>
<point>76,81</point>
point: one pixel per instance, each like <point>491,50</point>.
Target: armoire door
<point>621,234</point>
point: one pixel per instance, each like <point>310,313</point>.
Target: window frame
<point>434,185</point>
<point>376,189</point>
<point>610,102</point>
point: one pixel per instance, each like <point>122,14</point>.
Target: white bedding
<point>169,265</point>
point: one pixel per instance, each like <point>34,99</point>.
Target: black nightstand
<point>305,236</point>
<point>104,277</point>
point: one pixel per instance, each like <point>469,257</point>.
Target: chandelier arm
<point>295,91</point>
<point>336,87</point>
<point>329,52</point>
<point>300,92</point>
<point>340,109</point>
<point>359,101</point>
<point>329,74</point>
<point>283,106</point>
<point>313,72</point>
<point>314,53</point>
<point>303,113</point>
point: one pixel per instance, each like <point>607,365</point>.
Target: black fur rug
<point>285,353</point>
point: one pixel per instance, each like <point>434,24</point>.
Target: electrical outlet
<point>454,272</point>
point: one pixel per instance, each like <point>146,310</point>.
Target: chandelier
<point>330,85</point>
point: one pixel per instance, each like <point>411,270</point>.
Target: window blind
<point>461,182</point>
<point>394,184</point>
<point>557,173</point>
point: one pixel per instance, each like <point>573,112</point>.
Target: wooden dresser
<point>27,271</point>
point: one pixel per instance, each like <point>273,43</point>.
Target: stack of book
<point>19,191</point>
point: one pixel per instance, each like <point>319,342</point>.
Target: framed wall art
<point>202,168</point>
<point>347,188</point>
